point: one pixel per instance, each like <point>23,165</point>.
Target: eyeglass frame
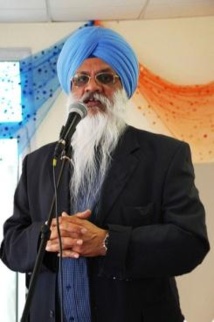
<point>115,77</point>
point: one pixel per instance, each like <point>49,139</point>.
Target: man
<point>130,217</point>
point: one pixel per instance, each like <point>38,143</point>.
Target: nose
<point>93,86</point>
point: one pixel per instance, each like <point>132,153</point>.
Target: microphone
<point>78,111</point>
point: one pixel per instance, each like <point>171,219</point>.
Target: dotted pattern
<point>39,89</point>
<point>187,111</point>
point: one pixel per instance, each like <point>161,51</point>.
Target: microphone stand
<point>45,234</point>
<point>62,147</point>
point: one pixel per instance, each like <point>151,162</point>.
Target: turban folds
<point>103,43</point>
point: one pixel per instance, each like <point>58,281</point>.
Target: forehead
<point>94,65</point>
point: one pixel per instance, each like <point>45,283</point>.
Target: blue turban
<point>103,43</point>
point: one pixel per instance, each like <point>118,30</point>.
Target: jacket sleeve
<point>21,232</point>
<point>173,246</point>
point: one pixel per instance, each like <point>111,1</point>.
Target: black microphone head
<point>77,111</point>
<point>78,108</point>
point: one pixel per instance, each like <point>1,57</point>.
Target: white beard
<point>93,142</point>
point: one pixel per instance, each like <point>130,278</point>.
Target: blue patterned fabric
<point>103,43</point>
<point>39,89</point>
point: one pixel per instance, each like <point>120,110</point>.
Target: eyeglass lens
<point>102,78</point>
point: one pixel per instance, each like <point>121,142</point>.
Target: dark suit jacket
<point>156,222</point>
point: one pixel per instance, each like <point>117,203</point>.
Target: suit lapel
<point>125,161</point>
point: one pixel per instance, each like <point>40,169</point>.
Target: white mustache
<point>92,96</point>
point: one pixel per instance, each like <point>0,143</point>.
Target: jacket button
<point>51,314</point>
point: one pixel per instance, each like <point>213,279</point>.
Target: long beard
<point>93,143</point>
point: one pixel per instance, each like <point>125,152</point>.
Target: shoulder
<point>157,146</point>
<point>43,154</point>
<point>47,148</point>
<point>155,139</point>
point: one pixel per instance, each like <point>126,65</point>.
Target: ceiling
<point>30,11</point>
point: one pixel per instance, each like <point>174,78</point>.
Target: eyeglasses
<point>104,78</point>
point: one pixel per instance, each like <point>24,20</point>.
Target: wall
<point>180,50</point>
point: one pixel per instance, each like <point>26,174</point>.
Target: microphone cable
<point>60,272</point>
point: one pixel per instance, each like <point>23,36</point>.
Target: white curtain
<point>8,175</point>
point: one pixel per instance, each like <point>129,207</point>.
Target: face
<point>86,92</point>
